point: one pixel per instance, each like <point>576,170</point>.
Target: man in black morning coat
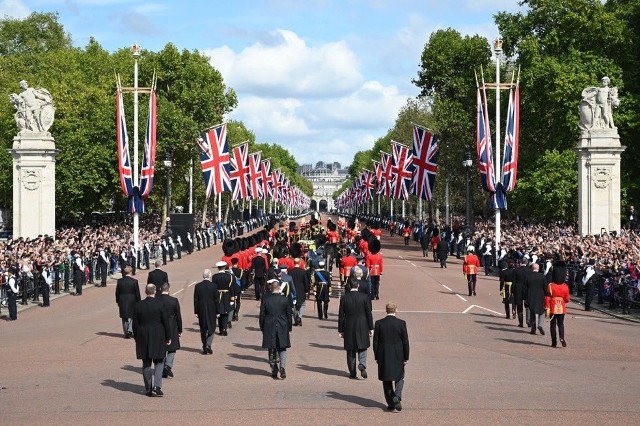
<point>276,324</point>
<point>127,295</point>
<point>206,308</point>
<point>172,306</point>
<point>391,349</point>
<point>157,277</point>
<point>355,325</point>
<point>152,333</point>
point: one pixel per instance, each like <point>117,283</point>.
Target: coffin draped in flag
<point>214,159</point>
<point>401,171</point>
<point>425,162</point>
<point>239,172</point>
<point>511,141</point>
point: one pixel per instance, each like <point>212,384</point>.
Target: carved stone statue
<point>34,109</point>
<point>596,106</point>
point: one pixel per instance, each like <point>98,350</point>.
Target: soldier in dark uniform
<point>103,265</point>
<point>198,239</point>
<point>206,308</point>
<point>172,306</point>
<point>152,333</point>
<point>519,291</point>
<point>506,282</point>
<point>223,282</point>
<point>78,272</point>
<point>237,292</point>
<point>12,293</point>
<point>322,283</point>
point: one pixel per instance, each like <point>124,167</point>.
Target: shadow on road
<point>108,334</point>
<point>191,329</point>
<point>508,330</point>
<point>243,346</point>
<point>252,328</point>
<point>324,370</point>
<point>249,357</point>
<point>524,342</point>
<point>358,400</point>
<point>321,346</point>
<point>132,368</point>
<point>194,350</point>
<point>250,371</point>
<point>123,386</point>
<point>328,327</point>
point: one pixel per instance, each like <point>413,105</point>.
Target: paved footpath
<point>68,364</point>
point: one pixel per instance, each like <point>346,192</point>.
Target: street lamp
<point>467,163</point>
<point>168,164</point>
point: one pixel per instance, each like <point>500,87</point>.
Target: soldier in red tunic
<point>555,303</point>
<point>374,263</point>
<point>470,269</point>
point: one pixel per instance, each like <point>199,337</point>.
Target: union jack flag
<point>377,169</point>
<point>483,144</point>
<point>402,171</point>
<point>255,176</point>
<point>276,183</point>
<point>511,141</point>
<point>368,184</point>
<point>239,173</point>
<point>267,178</point>
<point>149,157</point>
<point>214,159</point>
<point>425,162</point>
<point>124,161</point>
<point>384,187</point>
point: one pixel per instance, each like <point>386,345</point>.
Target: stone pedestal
<point>34,188</point>
<point>599,181</point>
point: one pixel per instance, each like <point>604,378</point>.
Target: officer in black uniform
<point>322,283</point>
<point>224,282</point>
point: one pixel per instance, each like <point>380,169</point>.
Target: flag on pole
<point>384,187</point>
<point>239,172</point>
<point>214,159</point>
<point>483,143</point>
<point>511,141</point>
<point>255,177</point>
<point>124,161</point>
<point>401,171</point>
<point>149,157</point>
<point>267,178</point>
<point>425,162</point>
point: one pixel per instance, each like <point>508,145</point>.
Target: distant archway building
<point>326,179</point>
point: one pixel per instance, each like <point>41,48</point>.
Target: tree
<point>548,190</point>
<point>38,33</point>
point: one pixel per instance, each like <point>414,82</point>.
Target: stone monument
<point>599,152</point>
<point>34,165</point>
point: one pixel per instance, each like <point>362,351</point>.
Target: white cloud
<point>14,9</point>
<point>282,65</point>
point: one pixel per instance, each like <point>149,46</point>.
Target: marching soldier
<point>506,281</point>
<point>179,247</point>
<point>374,264</point>
<point>470,269</point>
<point>322,283</point>
<point>223,282</point>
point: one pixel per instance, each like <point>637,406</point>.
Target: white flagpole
<point>135,51</point>
<point>497,45</point>
<point>220,207</point>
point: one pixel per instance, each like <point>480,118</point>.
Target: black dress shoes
<point>563,343</point>
<point>283,374</point>
<point>157,391</point>
<point>363,372</point>
<point>150,393</point>
<point>397,404</point>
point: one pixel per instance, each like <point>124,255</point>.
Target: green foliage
<point>548,190</point>
<point>38,33</point>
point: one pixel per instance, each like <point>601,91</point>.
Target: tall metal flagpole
<point>191,188</point>
<point>135,51</point>
<point>497,47</point>
<point>220,207</point>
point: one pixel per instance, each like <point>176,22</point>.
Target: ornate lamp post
<point>467,163</point>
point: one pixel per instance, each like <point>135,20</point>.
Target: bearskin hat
<point>280,250</point>
<point>559,271</point>
<point>331,226</point>
<point>351,224</point>
<point>313,221</point>
<point>374,245</point>
<point>295,250</point>
<point>229,247</point>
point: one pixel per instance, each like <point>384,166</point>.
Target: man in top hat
<point>374,264</point>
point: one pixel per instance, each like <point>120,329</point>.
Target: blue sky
<point>323,78</point>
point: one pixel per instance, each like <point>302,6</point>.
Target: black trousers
<point>375,283</point>
<point>258,284</point>
<point>390,392</point>
<point>12,299</point>
<point>557,320</point>
<point>588,298</point>
<point>471,283</point>
<point>45,294</point>
<point>103,274</point>
<point>323,308</point>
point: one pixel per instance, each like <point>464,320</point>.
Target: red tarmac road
<point>68,364</point>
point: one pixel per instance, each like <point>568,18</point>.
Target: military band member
<point>470,268</point>
<point>374,264</point>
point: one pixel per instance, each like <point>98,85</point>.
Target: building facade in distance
<point>326,179</point>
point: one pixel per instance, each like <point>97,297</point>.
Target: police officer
<point>12,293</point>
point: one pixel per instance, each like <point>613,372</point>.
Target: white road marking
<point>422,312</point>
<point>182,289</point>
<point>446,287</point>
<point>192,283</point>
<point>412,264</point>
<point>461,298</point>
<point>480,307</point>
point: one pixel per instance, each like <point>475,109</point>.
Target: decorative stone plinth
<point>599,181</point>
<point>34,190</point>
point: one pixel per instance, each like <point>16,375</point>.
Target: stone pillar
<point>599,180</point>
<point>34,189</point>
